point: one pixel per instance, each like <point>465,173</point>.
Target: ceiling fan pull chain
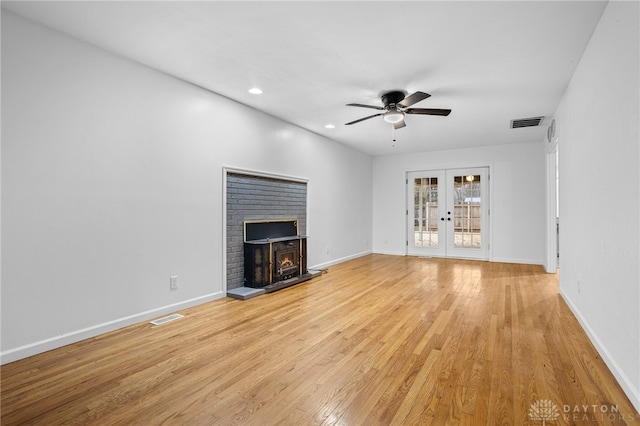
<point>393,136</point>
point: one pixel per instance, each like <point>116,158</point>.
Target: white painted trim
<point>551,263</point>
<point>44,345</point>
<point>491,211</point>
<point>513,261</point>
<point>392,253</point>
<point>224,230</point>
<point>259,173</point>
<point>625,382</point>
<point>342,259</point>
<point>520,261</point>
<point>494,260</point>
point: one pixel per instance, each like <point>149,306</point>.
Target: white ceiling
<point>490,62</point>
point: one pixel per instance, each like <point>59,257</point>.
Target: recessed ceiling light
<point>255,91</point>
<point>330,126</point>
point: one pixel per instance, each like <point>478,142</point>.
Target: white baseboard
<point>390,253</point>
<point>627,385</point>
<point>336,261</point>
<point>520,261</point>
<point>494,259</point>
<point>44,345</point>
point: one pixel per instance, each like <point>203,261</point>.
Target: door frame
<point>488,222</point>
<point>551,264</point>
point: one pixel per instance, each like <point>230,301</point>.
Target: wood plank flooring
<point>379,340</point>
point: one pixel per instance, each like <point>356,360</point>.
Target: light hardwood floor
<point>376,340</point>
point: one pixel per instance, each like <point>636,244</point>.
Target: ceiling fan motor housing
<point>392,98</point>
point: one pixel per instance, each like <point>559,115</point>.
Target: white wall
<point>597,129</point>
<point>517,197</point>
<point>112,180</point>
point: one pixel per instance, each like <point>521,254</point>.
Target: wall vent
<point>526,122</point>
<point>165,320</point>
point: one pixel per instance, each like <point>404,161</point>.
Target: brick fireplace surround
<point>254,198</point>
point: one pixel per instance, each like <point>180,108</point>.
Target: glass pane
<point>425,212</point>
<point>467,204</point>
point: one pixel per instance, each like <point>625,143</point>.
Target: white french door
<point>447,213</point>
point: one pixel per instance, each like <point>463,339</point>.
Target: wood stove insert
<point>275,256</point>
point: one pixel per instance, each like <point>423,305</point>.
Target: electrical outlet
<point>173,282</point>
<point>327,250</point>
<point>579,285</point>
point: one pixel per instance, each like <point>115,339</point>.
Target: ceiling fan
<point>396,105</point>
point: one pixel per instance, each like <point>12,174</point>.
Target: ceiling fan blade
<point>367,106</point>
<point>428,111</point>
<point>413,99</point>
<point>399,125</point>
<point>362,119</point>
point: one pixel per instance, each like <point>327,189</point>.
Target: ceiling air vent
<point>526,122</point>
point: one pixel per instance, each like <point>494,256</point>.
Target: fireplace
<point>287,260</point>
<point>275,256</point>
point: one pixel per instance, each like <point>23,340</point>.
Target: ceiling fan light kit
<point>393,116</point>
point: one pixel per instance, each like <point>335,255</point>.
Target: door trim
<point>551,264</point>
